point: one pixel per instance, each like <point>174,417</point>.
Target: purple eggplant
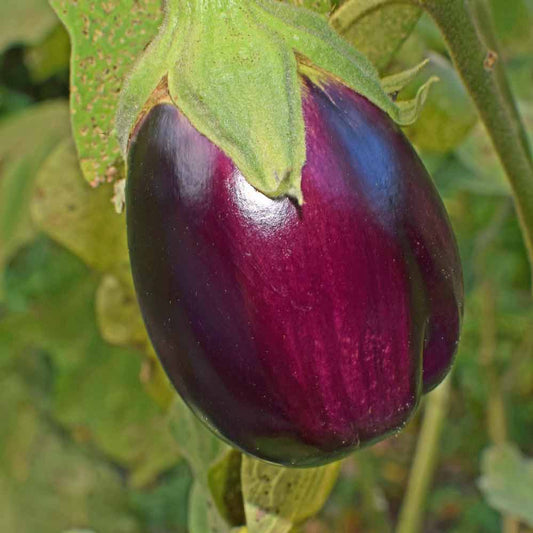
<point>296,333</point>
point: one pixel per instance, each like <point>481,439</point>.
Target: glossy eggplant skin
<point>297,333</point>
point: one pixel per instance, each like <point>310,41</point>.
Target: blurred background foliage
<point>90,435</point>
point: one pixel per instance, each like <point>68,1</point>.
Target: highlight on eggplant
<point>296,333</point>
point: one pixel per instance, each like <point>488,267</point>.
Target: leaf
<point>163,506</point>
<point>80,218</point>
<point>12,102</point>
<point>197,444</point>
<point>477,153</point>
<point>320,6</point>
<point>155,380</point>
<point>448,114</point>
<point>118,314</point>
<point>203,515</point>
<point>396,82</point>
<point>84,221</point>
<point>96,395</point>
<point>512,21</point>
<point>278,498</point>
<point>47,483</point>
<point>103,400</point>
<point>25,22</point>
<point>507,481</point>
<point>49,57</point>
<point>26,132</point>
<point>201,448</point>
<point>377,28</point>
<point>23,148</point>
<point>224,478</point>
<point>106,38</point>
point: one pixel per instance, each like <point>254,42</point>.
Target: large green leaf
<point>47,483</point>
<point>164,505</point>
<point>203,515</point>
<point>202,449</point>
<point>277,498</point>
<point>118,314</point>
<point>26,139</point>
<point>377,28</point>
<point>198,445</point>
<point>49,57</point>
<point>97,394</point>
<point>224,479</point>
<point>507,481</point>
<point>80,218</point>
<point>477,153</point>
<point>320,6</point>
<point>512,21</point>
<point>106,38</point>
<point>12,101</point>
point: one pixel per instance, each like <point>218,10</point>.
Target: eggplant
<point>298,333</point>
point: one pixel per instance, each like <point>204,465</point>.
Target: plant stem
<point>496,423</point>
<point>496,419</point>
<point>375,513</point>
<point>467,28</point>
<point>412,511</point>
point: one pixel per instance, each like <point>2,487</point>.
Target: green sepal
<point>396,82</point>
<point>232,69</point>
<point>409,110</point>
<point>393,84</point>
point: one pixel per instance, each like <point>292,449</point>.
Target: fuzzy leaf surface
<point>106,38</point>
<point>277,498</point>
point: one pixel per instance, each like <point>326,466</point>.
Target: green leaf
<point>377,28</point>
<point>202,449</point>
<point>50,56</point>
<point>507,481</point>
<point>97,394</point>
<point>23,148</point>
<point>118,313</point>
<point>198,445</point>
<point>102,399</point>
<point>33,129</point>
<point>224,478</point>
<point>84,221</point>
<point>512,21</point>
<point>394,83</point>
<point>106,38</point>
<point>12,102</point>
<point>80,218</point>
<point>163,506</point>
<point>203,515</point>
<point>25,22</point>
<point>319,6</point>
<point>47,483</point>
<point>278,498</point>
<point>477,153</point>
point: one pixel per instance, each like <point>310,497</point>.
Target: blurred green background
<point>84,434</point>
